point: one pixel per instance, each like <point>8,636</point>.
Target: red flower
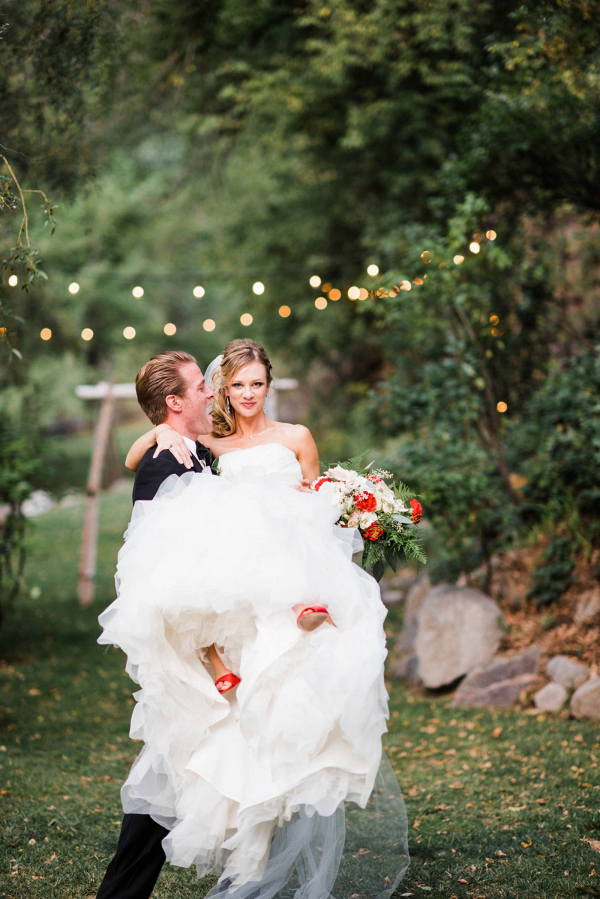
<point>374,532</point>
<point>322,481</point>
<point>374,478</point>
<point>417,510</point>
<point>365,501</point>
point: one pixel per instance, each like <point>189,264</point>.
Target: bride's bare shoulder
<point>299,435</point>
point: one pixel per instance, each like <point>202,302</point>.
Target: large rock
<point>588,606</point>
<point>457,630</point>
<point>500,681</point>
<point>551,698</point>
<point>585,701</point>
<point>567,672</point>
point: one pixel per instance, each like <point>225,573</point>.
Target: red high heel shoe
<point>231,677</point>
<point>311,617</point>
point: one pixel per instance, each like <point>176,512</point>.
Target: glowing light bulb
<point>170,329</point>
<point>315,281</point>
<point>208,325</point>
<point>321,303</point>
<point>87,334</point>
<point>128,333</point>
<point>284,311</point>
<point>405,285</point>
<point>474,247</point>
<point>373,270</point>
<point>426,256</point>
<point>198,291</point>
<point>138,291</point>
<point>363,293</point>
<point>258,287</point>
<point>491,235</point>
<point>45,333</point>
<point>13,281</point>
<point>335,294</point>
<point>458,259</point>
<point>353,293</point>
<point>494,319</point>
<point>73,287</point>
<point>246,319</point>
<point>501,407</point>
<point>417,281</point>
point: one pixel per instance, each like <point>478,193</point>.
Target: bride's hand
<point>167,438</point>
<point>304,486</point>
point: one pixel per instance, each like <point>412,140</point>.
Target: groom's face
<point>198,396</point>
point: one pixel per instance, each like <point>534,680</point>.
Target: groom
<point>170,389</point>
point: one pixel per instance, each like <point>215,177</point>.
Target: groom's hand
<point>304,486</point>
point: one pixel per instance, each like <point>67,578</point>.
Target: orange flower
<point>417,510</point>
<point>374,532</point>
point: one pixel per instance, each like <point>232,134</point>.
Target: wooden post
<point>89,539</point>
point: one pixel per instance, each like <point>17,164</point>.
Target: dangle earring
<point>228,404</point>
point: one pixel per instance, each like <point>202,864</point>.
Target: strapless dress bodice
<point>265,459</point>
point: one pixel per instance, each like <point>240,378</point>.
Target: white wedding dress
<point>260,784</point>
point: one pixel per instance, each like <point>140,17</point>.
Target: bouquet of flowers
<point>384,512</point>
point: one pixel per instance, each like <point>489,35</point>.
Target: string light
<point>405,285</point>
<point>494,319</point>
<point>138,291</point>
<point>170,329</point>
<point>13,281</point>
<point>326,287</point>
<point>458,259</point>
<point>45,333</point>
<point>315,281</point>
<point>87,334</point>
<point>373,270</point>
<point>73,287</point>
<point>321,303</point>
<point>129,333</point>
<point>363,293</point>
<point>501,407</point>
<point>491,235</point>
<point>417,281</point>
<point>334,294</point>
<point>198,291</point>
<point>426,256</point>
<point>246,319</point>
<point>284,311</point>
<point>258,287</point>
<point>208,325</point>
<point>353,293</point>
<point>474,247</point>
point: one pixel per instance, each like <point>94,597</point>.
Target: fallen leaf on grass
<point>51,859</point>
<point>496,732</point>
<point>594,844</point>
<point>500,853</point>
<point>462,880</point>
<point>34,692</point>
<point>456,785</point>
<point>526,845</point>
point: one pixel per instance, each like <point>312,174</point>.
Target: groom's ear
<point>174,402</point>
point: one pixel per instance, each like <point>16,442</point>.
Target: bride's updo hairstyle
<point>236,355</point>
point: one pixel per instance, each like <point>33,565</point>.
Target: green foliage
<point>17,466</point>
<point>554,576</point>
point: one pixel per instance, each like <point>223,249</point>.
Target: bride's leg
<point>220,669</point>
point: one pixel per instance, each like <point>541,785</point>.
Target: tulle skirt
<point>279,787</point>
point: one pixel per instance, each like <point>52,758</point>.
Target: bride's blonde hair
<point>236,355</point>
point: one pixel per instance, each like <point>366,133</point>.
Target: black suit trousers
<point>138,860</point>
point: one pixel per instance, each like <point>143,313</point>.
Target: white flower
<point>354,519</point>
<point>366,518</point>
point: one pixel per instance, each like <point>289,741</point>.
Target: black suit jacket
<point>152,472</point>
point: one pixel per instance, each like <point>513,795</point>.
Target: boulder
<point>585,701</point>
<point>412,604</point>
<point>458,628</point>
<point>500,681</point>
<point>551,698</point>
<point>567,672</point>
<point>588,606</point>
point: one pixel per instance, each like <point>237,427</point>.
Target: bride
<point>280,785</point>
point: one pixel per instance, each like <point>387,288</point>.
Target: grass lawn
<point>500,804</point>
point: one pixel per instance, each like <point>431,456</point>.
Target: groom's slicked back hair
<point>158,378</point>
